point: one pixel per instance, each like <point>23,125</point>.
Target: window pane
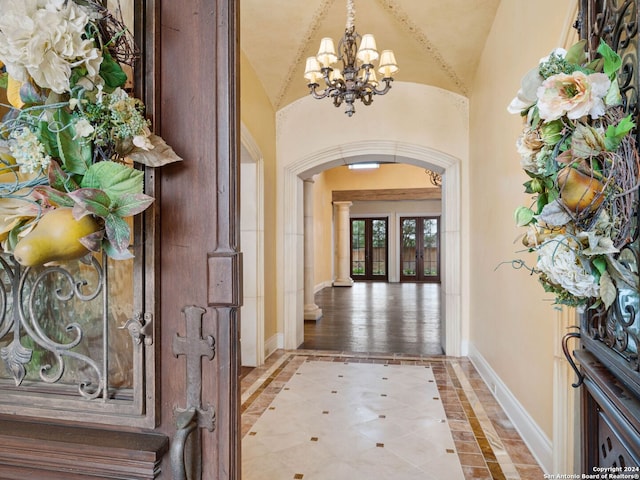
<point>358,247</point>
<point>430,242</point>
<point>409,247</point>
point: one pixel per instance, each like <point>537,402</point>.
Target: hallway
<point>377,317</point>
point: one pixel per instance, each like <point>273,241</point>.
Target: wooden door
<point>369,249</point>
<point>180,419</point>
<point>419,249</point>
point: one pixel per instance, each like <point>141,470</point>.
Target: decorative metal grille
<point>68,339</point>
<point>32,313</point>
<point>613,335</point>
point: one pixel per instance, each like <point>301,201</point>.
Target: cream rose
<point>574,95</point>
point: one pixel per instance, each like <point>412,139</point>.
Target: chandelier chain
<point>351,14</point>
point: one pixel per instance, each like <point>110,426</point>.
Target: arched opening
<point>389,152</point>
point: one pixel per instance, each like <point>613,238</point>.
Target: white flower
<point>83,128</point>
<point>28,151</point>
<point>142,141</point>
<point>43,40</point>
<point>558,260</point>
<point>526,96</point>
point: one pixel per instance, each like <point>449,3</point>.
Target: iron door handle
<point>187,422</point>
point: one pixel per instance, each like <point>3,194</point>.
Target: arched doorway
<point>389,152</point>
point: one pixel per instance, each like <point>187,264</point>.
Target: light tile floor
<point>316,415</point>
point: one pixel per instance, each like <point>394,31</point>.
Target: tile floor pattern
<point>314,415</point>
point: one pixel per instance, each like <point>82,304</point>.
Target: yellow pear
<point>55,238</point>
<point>579,191</point>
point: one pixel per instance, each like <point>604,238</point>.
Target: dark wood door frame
<point>199,216</point>
<point>419,275</point>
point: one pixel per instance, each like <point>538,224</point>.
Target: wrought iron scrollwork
<point>613,335</point>
<point>29,313</point>
<point>55,319</point>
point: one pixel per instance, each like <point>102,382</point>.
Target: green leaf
<point>111,72</point>
<point>60,180</point>
<point>615,133</point>
<point>118,232</point>
<point>131,204</point>
<point>612,61</point>
<point>576,53</point>
<point>93,200</point>
<point>523,216</point>
<point>4,79</point>
<point>600,263</point>
<point>30,95</point>
<point>54,196</point>
<point>613,96</point>
<point>114,178</point>
<point>541,202</point>
<point>608,291</point>
<point>58,138</point>
<point>115,254</point>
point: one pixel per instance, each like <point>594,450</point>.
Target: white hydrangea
<point>558,260</point>
<point>42,39</point>
<point>28,151</point>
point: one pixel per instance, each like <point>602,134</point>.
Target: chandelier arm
<point>367,97</point>
<point>318,95</point>
<point>387,86</point>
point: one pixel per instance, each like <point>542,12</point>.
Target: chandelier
<point>357,78</point>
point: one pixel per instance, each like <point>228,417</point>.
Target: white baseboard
<point>322,285</point>
<point>273,343</point>
<point>539,444</point>
<point>464,348</point>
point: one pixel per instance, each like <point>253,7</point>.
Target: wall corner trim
<point>537,441</point>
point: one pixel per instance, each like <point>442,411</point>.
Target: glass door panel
<point>369,249</point>
<point>357,248</point>
<point>409,253</point>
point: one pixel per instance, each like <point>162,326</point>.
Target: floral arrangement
<point>70,133</point>
<point>579,153</point>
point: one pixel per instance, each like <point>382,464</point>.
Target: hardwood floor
<point>376,317</point>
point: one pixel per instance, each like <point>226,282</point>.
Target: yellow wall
<point>258,116</point>
<point>512,324</point>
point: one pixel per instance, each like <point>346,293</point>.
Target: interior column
<point>311,310</point>
<point>343,242</point>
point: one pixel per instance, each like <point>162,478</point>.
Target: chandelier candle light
<point>357,80</point>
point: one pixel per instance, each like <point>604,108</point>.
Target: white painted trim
<point>252,150</point>
<point>388,151</point>
<point>273,343</point>
<point>322,285</point>
<point>539,444</point>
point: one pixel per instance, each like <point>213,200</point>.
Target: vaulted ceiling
<point>436,42</point>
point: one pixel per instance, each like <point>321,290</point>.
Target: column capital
<point>343,204</point>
